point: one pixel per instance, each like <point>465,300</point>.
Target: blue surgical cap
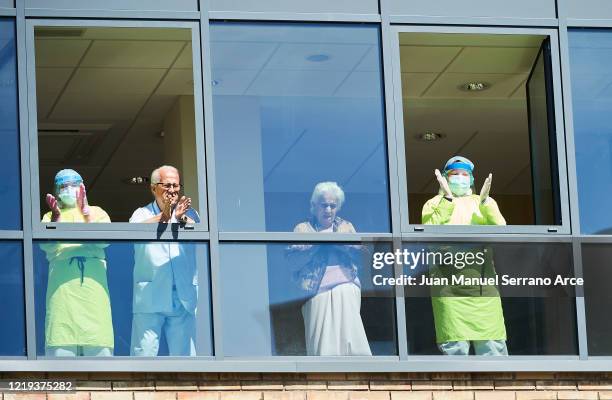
<point>459,162</point>
<point>67,176</point>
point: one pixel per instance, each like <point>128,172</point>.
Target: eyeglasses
<point>333,206</point>
<point>168,186</point>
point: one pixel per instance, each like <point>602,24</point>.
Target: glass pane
<point>314,299</point>
<point>122,298</point>
<point>310,107</point>
<point>590,59</point>
<point>597,297</point>
<point>490,299</point>
<point>10,186</point>
<point>113,104</point>
<point>483,97</point>
<point>12,298</point>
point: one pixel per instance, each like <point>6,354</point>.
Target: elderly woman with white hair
<point>328,273</point>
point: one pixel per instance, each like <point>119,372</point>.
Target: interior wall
<point>180,145</point>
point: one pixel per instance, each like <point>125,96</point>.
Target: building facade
<point>280,115</point>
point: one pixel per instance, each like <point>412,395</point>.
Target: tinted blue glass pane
<point>10,185</point>
<point>590,60</point>
<point>295,105</point>
<point>522,317</point>
<point>122,298</point>
<point>277,297</point>
<point>12,309</point>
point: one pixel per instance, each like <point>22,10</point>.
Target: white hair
<point>156,174</point>
<point>326,187</point>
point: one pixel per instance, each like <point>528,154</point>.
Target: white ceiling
<point>115,85</point>
<point>489,127</point>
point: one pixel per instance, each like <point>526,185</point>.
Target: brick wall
<point>349,386</point>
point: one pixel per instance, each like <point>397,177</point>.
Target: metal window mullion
<point>291,16</point>
<point>26,204</point>
<point>581,324</point>
<point>116,14</point>
<point>8,12</point>
<point>214,250</point>
<point>394,173</point>
<point>473,21</point>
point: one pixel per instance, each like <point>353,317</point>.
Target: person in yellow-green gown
<point>78,312</point>
<point>469,315</point>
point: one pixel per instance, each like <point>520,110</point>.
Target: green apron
<point>467,312</point>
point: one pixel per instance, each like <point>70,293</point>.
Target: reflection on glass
<point>309,101</point>
<point>143,304</point>
<point>475,306</point>
<point>598,297</point>
<point>487,97</point>
<point>12,296</point>
<point>10,184</point>
<point>590,60</point>
<point>114,104</point>
<point>290,305</point>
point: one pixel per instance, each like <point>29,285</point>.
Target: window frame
<point>411,227</point>
<point>150,229</point>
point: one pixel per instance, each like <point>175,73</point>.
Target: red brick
<point>369,396</point>
<point>316,395</point>
<point>453,395</point>
<point>539,395</point>
<point>197,395</point>
<point>241,396</point>
<point>68,396</point>
<point>575,395</point>
<point>494,395</point>
<point>595,385</point>
<point>155,396</point>
<point>284,395</point>
<point>556,385</point>
<point>111,396</point>
<point>410,395</point>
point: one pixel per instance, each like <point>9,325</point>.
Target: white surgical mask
<point>459,184</point>
<point>68,196</point>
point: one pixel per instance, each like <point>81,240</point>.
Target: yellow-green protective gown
<point>78,304</point>
<point>479,316</point>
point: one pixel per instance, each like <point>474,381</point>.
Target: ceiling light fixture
<point>318,57</point>
<point>475,86</point>
<point>430,136</point>
<point>137,180</point>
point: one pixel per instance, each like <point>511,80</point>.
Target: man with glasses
<point>165,274</point>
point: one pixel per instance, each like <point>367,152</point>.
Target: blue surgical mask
<point>68,196</point>
<point>459,184</point>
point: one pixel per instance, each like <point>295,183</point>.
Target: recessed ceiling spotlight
<point>430,136</point>
<point>136,180</point>
<point>475,86</point>
<point>318,57</point>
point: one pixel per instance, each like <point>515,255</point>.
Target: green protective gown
<point>78,304</point>
<point>466,312</point>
